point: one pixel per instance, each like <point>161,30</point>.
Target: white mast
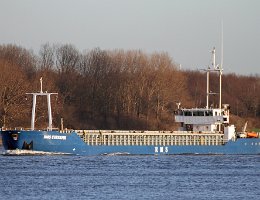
<point>220,85</point>
<point>214,68</point>
<point>221,68</point>
<point>207,106</point>
<point>48,95</point>
<point>213,52</point>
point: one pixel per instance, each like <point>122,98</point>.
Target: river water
<point>130,177</point>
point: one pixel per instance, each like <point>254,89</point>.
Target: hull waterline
<point>54,142</point>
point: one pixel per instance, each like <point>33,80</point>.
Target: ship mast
<point>214,68</point>
<point>220,85</point>
<point>207,92</point>
<point>221,67</point>
<point>48,95</point>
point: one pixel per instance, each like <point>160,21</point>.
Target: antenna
<point>221,67</point>
<point>213,52</point>
<point>218,68</point>
<point>222,47</point>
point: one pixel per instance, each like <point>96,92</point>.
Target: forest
<point>113,89</point>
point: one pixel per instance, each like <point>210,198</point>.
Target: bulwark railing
<point>139,138</point>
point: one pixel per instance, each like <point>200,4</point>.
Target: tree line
<point>111,89</point>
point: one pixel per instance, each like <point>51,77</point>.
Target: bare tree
<point>19,57</point>
<point>67,58</point>
<point>47,57</point>
<point>13,85</point>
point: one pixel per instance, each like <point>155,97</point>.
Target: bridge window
<point>188,113</point>
<point>200,113</point>
<point>208,113</point>
<point>195,113</point>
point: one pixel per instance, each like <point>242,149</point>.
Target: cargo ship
<point>202,131</point>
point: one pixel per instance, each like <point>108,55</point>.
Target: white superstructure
<point>206,119</point>
<point>202,119</point>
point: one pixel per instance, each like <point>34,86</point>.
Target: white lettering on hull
<point>54,137</point>
<point>161,149</point>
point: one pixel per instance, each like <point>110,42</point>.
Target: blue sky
<point>186,29</point>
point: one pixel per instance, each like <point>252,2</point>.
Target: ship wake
<point>19,152</point>
<point>115,154</point>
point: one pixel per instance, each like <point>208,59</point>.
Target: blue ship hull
<point>71,143</point>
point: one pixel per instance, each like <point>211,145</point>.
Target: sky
<point>186,29</point>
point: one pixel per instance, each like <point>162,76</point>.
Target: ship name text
<point>54,137</point>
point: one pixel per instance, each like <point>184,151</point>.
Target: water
<point>130,177</point>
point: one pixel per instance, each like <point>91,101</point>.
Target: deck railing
<point>139,138</point>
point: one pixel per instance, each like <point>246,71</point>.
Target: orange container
<point>252,135</point>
